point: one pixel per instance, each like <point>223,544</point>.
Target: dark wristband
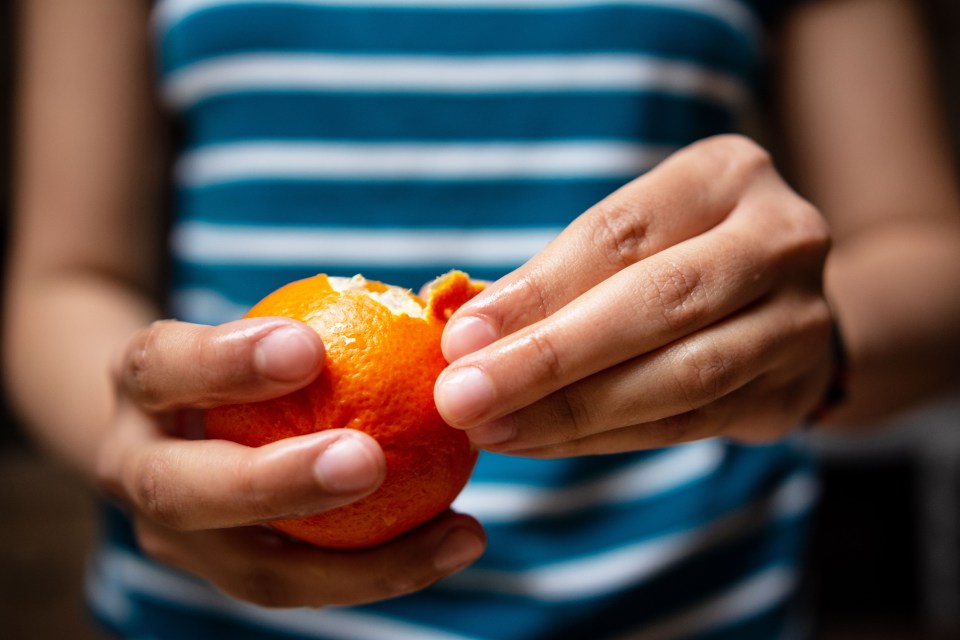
<point>836,392</point>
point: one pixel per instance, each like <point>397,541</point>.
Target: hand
<point>687,304</point>
<point>193,501</point>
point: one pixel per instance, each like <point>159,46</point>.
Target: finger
<point>191,485</point>
<point>639,309</point>
<point>173,365</point>
<point>259,566</point>
<point>787,333</point>
<point>772,239</point>
<point>761,411</point>
<point>686,195</point>
<point>705,422</point>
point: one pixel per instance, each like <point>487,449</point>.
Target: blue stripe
<point>560,472</point>
<point>422,204</point>
<point>720,568</point>
<point>703,577</point>
<point>245,286</point>
<point>271,115</point>
<point>542,541</point>
<point>290,28</point>
<point>697,578</point>
<point>238,115</point>
<point>706,575</point>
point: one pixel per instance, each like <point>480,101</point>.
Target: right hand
<point>196,504</point>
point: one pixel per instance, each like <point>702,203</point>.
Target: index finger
<point>686,195</point>
<point>639,309</point>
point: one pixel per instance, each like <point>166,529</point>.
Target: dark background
<point>885,562</point>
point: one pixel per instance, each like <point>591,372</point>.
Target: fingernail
<point>494,432</point>
<point>286,353</point>
<point>466,335</point>
<point>458,549</point>
<point>346,466</point>
<point>464,394</point>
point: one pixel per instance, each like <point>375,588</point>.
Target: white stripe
<point>219,244</point>
<point>442,161</point>
<point>450,74</point>
<point>104,596</point>
<point>505,503</point>
<point>750,597</point>
<point>117,571</point>
<point>730,12</point>
<point>604,573</point>
<point>204,306</point>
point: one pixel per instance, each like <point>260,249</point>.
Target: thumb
<point>176,365</point>
<point>191,485</point>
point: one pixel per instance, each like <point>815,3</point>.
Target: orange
<point>382,359</point>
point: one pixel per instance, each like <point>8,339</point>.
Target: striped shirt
<point>402,138</point>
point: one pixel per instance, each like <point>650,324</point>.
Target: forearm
<point>895,292</point>
<point>867,144</point>
<point>87,230</point>
<point>63,330</point>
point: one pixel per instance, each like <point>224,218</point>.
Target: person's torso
<point>402,138</point>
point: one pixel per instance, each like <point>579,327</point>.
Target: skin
<point>691,303</point>
<point>116,404</point>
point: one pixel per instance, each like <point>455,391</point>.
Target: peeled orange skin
<point>378,377</point>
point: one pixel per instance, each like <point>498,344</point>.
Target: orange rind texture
<point>382,360</point>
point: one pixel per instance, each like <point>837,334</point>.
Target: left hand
<point>688,304</point>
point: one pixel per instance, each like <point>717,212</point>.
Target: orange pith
<point>381,366</point>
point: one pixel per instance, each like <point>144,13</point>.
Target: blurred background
<point>884,563</point>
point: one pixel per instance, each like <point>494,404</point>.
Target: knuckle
<point>256,501</point>
<point>532,298</point>
<point>572,417</point>
<point>743,153</point>
<point>152,495</point>
<point>706,374</point>
<point>545,356</point>
<point>220,364</point>
<point>816,326</point>
<point>675,291</point>
<point>533,293</point>
<point>739,153</point>
<point>139,365</point>
<point>811,231</point>
<point>620,233</point>
<point>803,234</point>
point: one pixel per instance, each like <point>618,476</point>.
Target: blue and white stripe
<point>424,161</point>
<point>401,138</point>
<point>118,572</point>
<point>646,478</point>
<point>203,243</point>
<point>451,75</point>
<point>731,12</point>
